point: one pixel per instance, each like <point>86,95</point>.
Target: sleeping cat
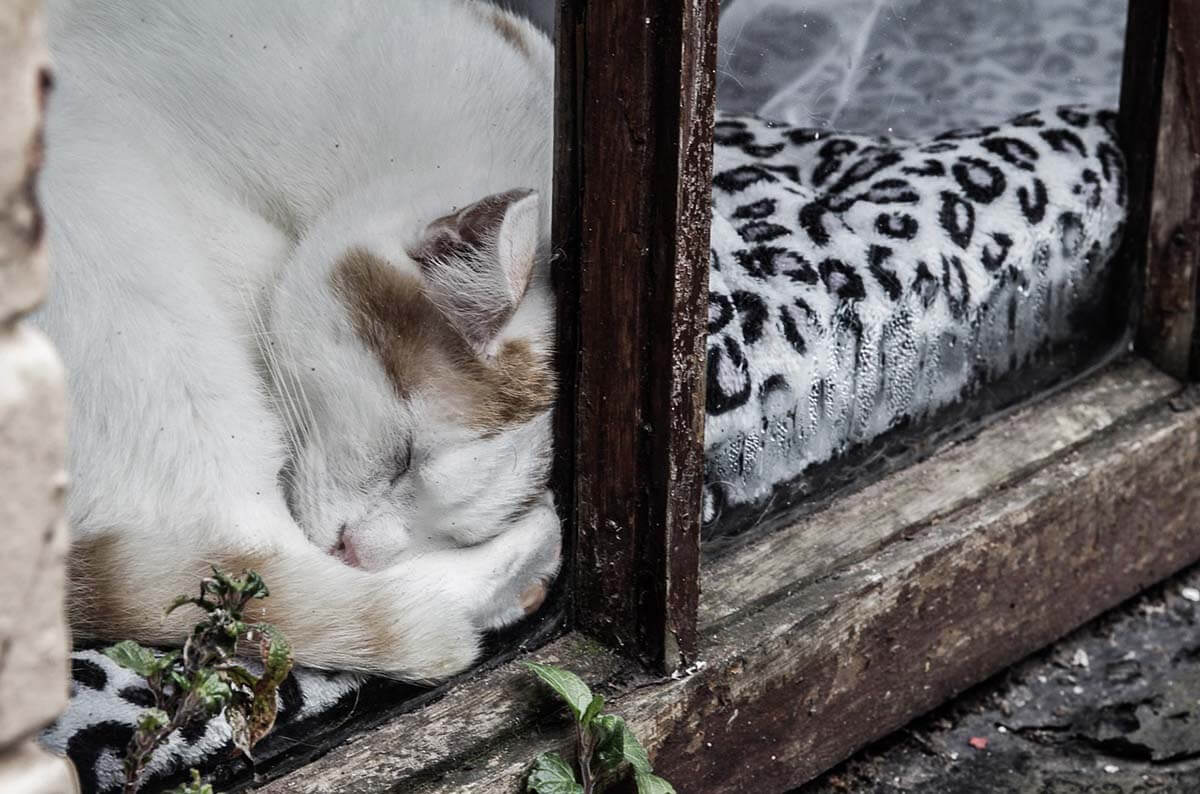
<point>300,286</point>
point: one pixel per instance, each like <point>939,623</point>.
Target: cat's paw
<point>524,561</point>
<point>438,644</point>
<point>505,578</point>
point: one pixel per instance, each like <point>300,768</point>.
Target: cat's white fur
<point>209,162</point>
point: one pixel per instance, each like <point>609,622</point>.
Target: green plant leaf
<point>552,775</point>
<point>569,687</point>
<point>151,720</point>
<point>592,710</point>
<point>652,784</point>
<point>238,676</point>
<point>634,753</point>
<point>233,629</point>
<point>261,718</point>
<point>211,689</point>
<point>195,787</point>
<point>132,656</point>
<point>180,681</point>
<point>616,745</point>
<point>183,600</point>
<point>254,586</point>
<point>276,654</point>
<point>167,660</point>
<point>609,733</point>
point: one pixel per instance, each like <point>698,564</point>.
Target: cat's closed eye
<point>401,462</point>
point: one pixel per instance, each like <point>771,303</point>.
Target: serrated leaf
<point>569,687</point>
<point>616,745</point>
<point>132,656</point>
<point>151,720</point>
<point>195,787</point>
<point>652,784</point>
<point>276,655</point>
<point>552,775</point>
<point>211,690</point>
<point>261,716</point>
<point>224,583</point>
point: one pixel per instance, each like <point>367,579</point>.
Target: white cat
<point>299,255</point>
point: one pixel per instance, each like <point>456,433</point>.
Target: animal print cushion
<point>106,700</point>
<point>855,283</point>
<point>860,283</point>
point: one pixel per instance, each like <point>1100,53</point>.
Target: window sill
<point>831,633</point>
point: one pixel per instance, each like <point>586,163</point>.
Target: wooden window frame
<point>812,641</point>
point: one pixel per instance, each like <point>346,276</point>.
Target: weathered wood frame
<point>814,640</point>
<point>1160,128</point>
<point>632,197</point>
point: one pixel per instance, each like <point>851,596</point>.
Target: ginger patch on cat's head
<point>421,350</point>
<point>508,26</point>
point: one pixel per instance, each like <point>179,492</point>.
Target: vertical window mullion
<point>636,90</point>
<point>1159,125</point>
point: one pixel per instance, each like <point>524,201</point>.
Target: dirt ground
<point>1112,708</point>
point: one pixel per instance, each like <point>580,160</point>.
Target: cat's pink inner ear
<point>477,262</point>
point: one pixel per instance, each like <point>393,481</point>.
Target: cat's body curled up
<point>299,255</point>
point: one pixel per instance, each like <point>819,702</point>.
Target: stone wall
<point>34,641</point>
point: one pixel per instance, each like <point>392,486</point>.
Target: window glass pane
<point>917,204</point>
<point>912,68</point>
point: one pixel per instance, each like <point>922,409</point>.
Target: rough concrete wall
<point>33,538</point>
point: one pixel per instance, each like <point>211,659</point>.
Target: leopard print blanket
<point>859,283</point>
<point>855,283</point>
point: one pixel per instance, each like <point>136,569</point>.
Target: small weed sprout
<point>196,786</point>
<point>607,750</point>
<point>203,679</point>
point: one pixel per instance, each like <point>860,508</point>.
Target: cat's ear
<point>477,262</point>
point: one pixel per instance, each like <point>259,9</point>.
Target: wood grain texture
<point>790,685</point>
<point>800,686</point>
<point>854,526</point>
<point>632,193</point>
<point>1161,88</point>
<point>423,745</point>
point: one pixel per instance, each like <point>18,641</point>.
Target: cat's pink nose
<point>345,552</point>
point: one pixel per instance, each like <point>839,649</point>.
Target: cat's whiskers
<point>310,426</point>
<point>266,349</point>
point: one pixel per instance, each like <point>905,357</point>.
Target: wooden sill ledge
<point>827,635</point>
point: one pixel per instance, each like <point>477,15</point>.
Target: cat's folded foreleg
<point>418,620</point>
<point>334,616</point>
